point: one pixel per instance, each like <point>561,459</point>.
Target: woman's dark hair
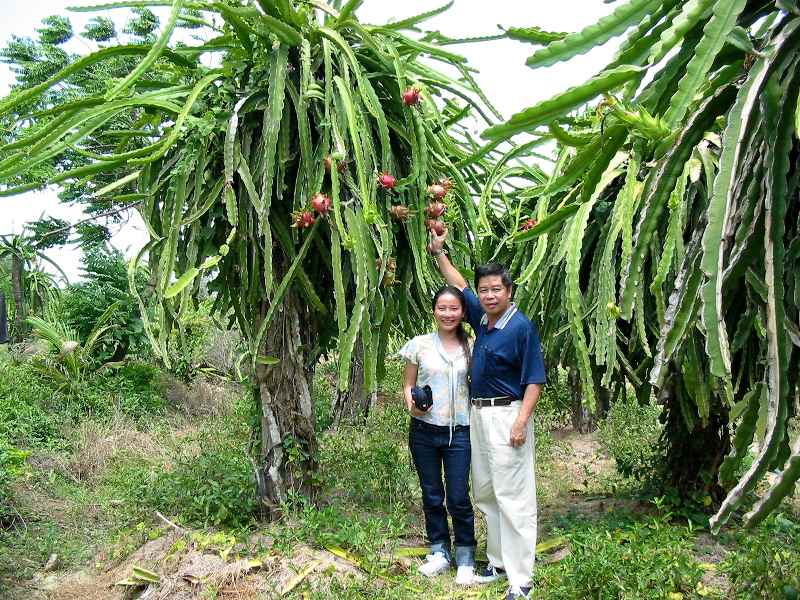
<point>490,269</point>
<point>461,333</point>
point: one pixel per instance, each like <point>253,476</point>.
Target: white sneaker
<point>465,575</point>
<point>434,564</point>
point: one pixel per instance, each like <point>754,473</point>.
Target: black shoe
<point>516,592</point>
<point>489,574</point>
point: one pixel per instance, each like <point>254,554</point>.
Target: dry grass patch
<point>96,444</point>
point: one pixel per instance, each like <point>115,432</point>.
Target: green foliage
<point>28,407</point>
<point>208,479</point>
<point>767,564</point>
<point>188,342</point>
<point>630,434</point>
<point>344,525</point>
<point>622,558</point>
<point>370,464</point>
<point>99,29</point>
<point>56,30</point>
<point>674,248</point>
<point>133,390</point>
<point>323,391</point>
<point>12,465</point>
<point>105,283</point>
<point>144,23</point>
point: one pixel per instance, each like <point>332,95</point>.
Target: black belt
<point>499,401</point>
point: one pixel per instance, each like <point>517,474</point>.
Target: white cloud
<point>502,72</point>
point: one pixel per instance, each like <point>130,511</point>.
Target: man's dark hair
<point>490,269</point>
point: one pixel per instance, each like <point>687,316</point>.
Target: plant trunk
<point>583,421</point>
<point>17,275</point>
<point>353,405</point>
<point>3,319</point>
<point>288,445</point>
<point>694,449</point>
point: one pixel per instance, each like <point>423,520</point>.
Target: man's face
<point>494,296</point>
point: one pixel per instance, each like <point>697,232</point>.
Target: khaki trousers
<point>504,488</point>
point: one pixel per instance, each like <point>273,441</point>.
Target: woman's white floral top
<point>447,376</point>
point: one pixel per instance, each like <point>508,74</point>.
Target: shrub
<point>27,407</point>
<point>624,559</point>
<point>323,392</point>
<point>105,273</point>
<point>630,435</point>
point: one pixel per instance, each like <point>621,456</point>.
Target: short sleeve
<point>409,350</point>
<point>474,309</point>
<point>532,360</point>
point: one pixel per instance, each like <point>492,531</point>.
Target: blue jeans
<point>431,450</point>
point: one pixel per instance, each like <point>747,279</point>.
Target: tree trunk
<point>694,450</point>
<point>288,445</point>
<point>353,405</point>
<point>3,319</point>
<point>18,333</point>
<point>582,419</point>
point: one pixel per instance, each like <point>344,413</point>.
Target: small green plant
<point>105,283</point>
<point>69,361</point>
<point>630,435</point>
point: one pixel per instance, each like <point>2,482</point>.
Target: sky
<point>509,84</point>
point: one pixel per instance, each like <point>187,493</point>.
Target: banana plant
<point>663,249</point>
<point>295,179</point>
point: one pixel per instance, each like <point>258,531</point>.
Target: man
<point>506,379</point>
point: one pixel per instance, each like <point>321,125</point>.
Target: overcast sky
<point>509,84</point>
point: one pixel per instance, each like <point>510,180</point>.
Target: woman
<point>439,437</point>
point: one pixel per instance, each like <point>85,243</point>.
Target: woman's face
<point>448,312</point>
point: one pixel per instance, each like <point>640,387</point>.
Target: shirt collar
<point>502,321</point>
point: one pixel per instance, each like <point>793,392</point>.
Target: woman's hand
<point>412,408</point>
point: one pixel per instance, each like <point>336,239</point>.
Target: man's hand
<point>519,433</point>
<point>437,242</point>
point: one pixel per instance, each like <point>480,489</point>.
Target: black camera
<point>423,397</point>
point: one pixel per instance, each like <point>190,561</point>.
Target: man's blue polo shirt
<point>507,358</point>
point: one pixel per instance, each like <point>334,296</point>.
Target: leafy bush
<point>105,273</point>
<point>27,407</point>
<point>133,390</point>
<point>630,435</point>
<point>32,408</point>
<point>187,346</point>
<point>767,563</point>
<point>323,391</point>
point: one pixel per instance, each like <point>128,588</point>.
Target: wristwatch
<point>432,253</point>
